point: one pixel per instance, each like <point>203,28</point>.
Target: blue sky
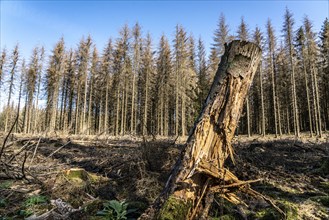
<point>32,23</point>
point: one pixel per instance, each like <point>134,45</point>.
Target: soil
<point>294,175</point>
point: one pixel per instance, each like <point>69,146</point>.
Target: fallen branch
<point>50,155</point>
<point>6,138</point>
<point>13,169</point>
<point>236,184</point>
<point>35,151</point>
<point>25,147</point>
<point>201,197</point>
<point>257,194</point>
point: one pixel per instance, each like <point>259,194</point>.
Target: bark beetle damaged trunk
<point>200,171</point>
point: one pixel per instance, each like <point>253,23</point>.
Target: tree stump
<point>200,170</point>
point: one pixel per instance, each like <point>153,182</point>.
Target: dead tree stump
<point>200,171</point>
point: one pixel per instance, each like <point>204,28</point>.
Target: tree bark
<point>262,98</point>
<point>200,170</point>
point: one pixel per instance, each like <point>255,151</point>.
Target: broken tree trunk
<point>200,171</point>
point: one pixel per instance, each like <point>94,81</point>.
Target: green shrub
<point>6,184</point>
<point>34,200</point>
<point>3,203</point>
<point>116,210</point>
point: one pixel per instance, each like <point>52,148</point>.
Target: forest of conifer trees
<point>136,86</point>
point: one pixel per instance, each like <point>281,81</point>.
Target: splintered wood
<point>201,169</point>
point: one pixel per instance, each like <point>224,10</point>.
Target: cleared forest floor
<point>294,175</point>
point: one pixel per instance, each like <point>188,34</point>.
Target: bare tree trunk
<point>200,170</point>
<point>166,118</point>
<point>90,106</point>
<point>308,98</point>
<point>314,102</point>
<point>183,110</point>
<point>248,117</point>
<point>177,104</point>
<point>99,118</point>
<point>145,125</point>
<point>25,116</point>
<point>64,126</point>
<point>117,114</point>
<point>36,119</point>
<point>133,97</point>
<point>125,108</point>
<point>106,104</point>
<point>317,101</point>
<point>19,101</point>
<point>279,118</point>
<point>77,106</point>
<point>122,112</point>
<point>84,113</point>
<point>262,97</point>
<point>28,124</point>
<point>63,103</point>
<point>274,94</point>
<point>54,111</point>
<point>288,121</point>
<point>162,114</point>
<point>294,96</point>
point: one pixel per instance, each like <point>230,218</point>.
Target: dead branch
<point>6,138</point>
<point>58,149</point>
<point>25,147</point>
<point>257,194</point>
<point>35,151</point>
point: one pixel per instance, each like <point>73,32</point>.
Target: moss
<point>139,206</point>
<point>325,186</point>
<point>272,214</point>
<point>73,184</point>
<point>324,200</point>
<point>324,169</point>
<point>93,207</point>
<point>95,178</point>
<point>77,174</point>
<point>6,184</point>
<point>267,214</point>
<point>97,218</point>
<point>174,209</point>
<point>228,207</point>
<point>224,205</point>
<point>290,209</point>
<point>225,217</point>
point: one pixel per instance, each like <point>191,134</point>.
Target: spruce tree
<point>312,50</point>
<point>302,58</point>
<point>164,85</point>
<point>136,65</point>
<point>288,35</point>
<point>324,66</point>
<point>3,59</point>
<point>203,77</point>
<point>54,76</point>
<point>259,40</point>
<point>12,74</point>
<point>244,35</point>
<point>147,79</point>
<point>271,44</point>
<point>107,72</point>
<point>180,69</point>
<point>221,36</point>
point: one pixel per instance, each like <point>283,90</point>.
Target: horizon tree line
<point>134,87</point>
